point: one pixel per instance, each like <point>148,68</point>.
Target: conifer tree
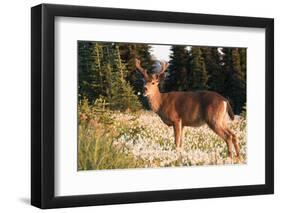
<point>91,83</point>
<point>198,77</point>
<point>143,53</point>
<point>97,74</point>
<point>129,53</point>
<point>84,65</point>
<point>102,73</point>
<point>123,97</point>
<point>243,61</point>
<point>216,75</point>
<point>177,79</point>
<point>235,86</point>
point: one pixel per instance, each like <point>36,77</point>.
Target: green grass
<point>96,151</point>
<point>114,140</point>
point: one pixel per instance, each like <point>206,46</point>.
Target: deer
<point>189,108</point>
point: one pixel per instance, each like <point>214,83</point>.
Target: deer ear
<point>156,77</point>
<point>161,76</point>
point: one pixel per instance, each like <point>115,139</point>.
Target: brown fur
<point>179,109</point>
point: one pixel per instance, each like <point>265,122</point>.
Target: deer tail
<point>230,111</point>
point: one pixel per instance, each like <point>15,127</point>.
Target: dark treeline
<point>209,68</point>
<point>107,70</point>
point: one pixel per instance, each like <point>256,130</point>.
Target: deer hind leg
<point>178,133</point>
<point>235,143</point>
<point>225,135</point>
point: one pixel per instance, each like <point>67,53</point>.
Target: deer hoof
<point>238,159</point>
<point>179,149</point>
<point>229,160</point>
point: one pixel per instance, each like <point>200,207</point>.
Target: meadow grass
<point>96,151</point>
<point>139,140</point>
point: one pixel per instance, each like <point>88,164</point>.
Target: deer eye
<point>153,83</point>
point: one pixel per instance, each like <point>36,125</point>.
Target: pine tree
<point>91,83</point>
<point>177,79</point>
<point>109,73</point>
<point>108,78</point>
<point>238,82</point>
<point>129,53</point>
<point>235,86</point>
<point>102,73</point>
<point>123,97</point>
<point>216,75</point>
<point>243,61</point>
<point>83,68</point>
<point>97,73</point>
<point>198,77</point>
<point>143,53</point>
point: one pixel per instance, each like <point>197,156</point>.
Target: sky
<point>161,52</point>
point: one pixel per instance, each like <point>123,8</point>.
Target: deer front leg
<point>178,131</point>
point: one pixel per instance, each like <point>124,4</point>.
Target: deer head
<point>151,81</point>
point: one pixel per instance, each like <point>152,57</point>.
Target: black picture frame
<point>43,102</point>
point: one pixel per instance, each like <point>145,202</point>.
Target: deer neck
<point>155,101</point>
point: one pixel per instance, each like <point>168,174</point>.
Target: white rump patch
<point>226,115</point>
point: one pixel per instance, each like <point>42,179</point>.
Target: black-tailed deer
<point>193,108</point>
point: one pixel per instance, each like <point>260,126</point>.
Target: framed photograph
<point>139,106</point>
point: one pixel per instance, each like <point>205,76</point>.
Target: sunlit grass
<point>141,140</point>
<point>96,151</point>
